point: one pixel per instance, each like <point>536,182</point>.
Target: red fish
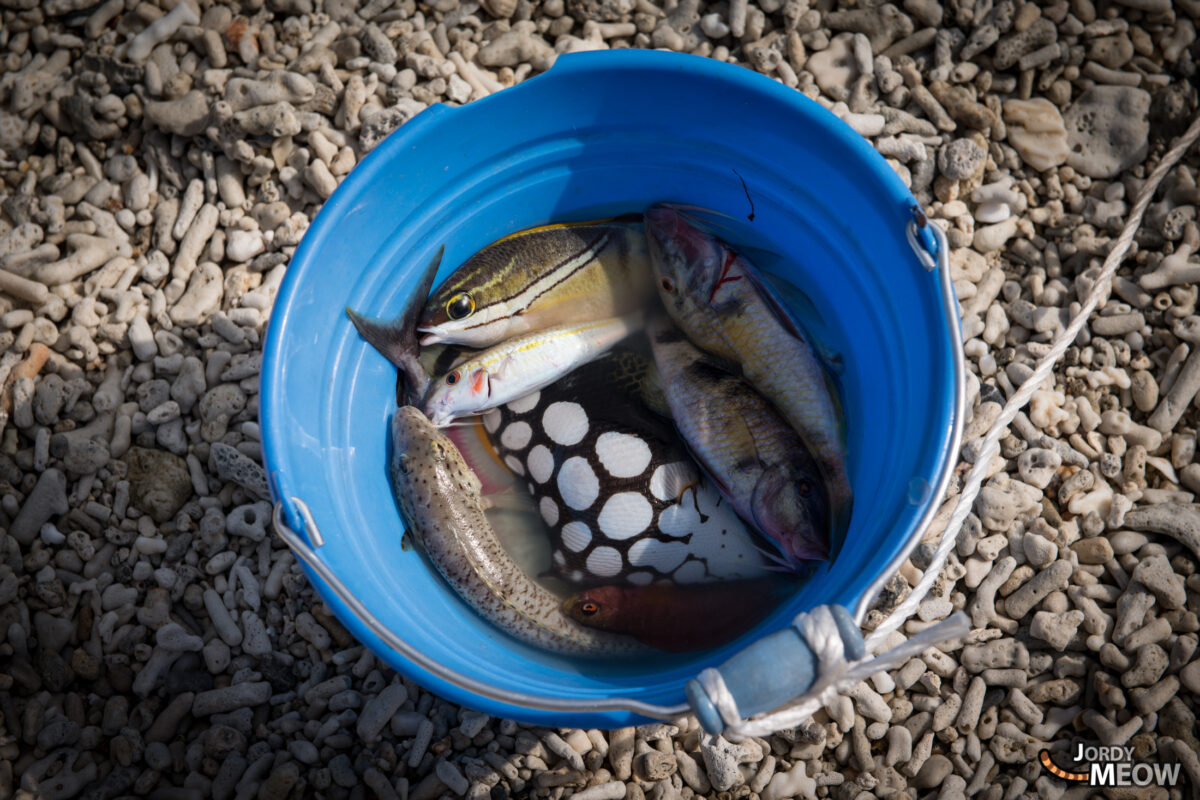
<point>680,618</point>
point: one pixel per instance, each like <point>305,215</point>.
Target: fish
<point>679,619</point>
<point>540,278</point>
<point>441,501</point>
<point>758,462</point>
<point>622,500</point>
<point>521,365</point>
<point>397,340</point>
<point>724,306</point>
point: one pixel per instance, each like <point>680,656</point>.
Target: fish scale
<point>609,518</point>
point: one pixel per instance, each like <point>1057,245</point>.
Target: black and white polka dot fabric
<point>623,501</point>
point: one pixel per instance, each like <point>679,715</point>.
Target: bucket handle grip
<point>770,673</point>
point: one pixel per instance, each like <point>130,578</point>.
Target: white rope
<point>834,673</point>
<point>991,442</point>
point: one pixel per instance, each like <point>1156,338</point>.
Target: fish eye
<point>667,284</point>
<point>460,305</point>
<point>589,607</point>
<point>453,378</point>
<point>804,488</point>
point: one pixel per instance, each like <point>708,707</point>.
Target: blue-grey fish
<point>719,300</point>
<point>756,459</point>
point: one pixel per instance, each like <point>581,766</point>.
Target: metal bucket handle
<point>751,676</point>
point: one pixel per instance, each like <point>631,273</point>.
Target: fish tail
<point>397,340</point>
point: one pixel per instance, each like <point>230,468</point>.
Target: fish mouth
<point>799,550</point>
<point>661,222</point>
<point>675,240</point>
<point>432,335</point>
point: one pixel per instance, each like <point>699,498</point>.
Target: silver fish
<point>757,461</point>
<point>718,299</point>
<point>522,365</point>
<point>440,498</point>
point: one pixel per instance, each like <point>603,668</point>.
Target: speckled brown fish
<point>440,498</point>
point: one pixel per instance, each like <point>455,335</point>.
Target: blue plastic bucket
<point>599,134</point>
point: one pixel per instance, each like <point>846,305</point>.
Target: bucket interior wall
<point>593,138</point>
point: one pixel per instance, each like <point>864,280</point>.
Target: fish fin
<point>397,340</point>
<point>776,562</point>
<point>510,499</point>
<point>406,541</point>
<point>801,306</point>
<point>830,358</point>
<point>480,381</point>
<point>728,229</point>
<point>620,219</point>
<point>687,208</point>
<point>773,305</point>
<point>386,337</point>
<point>694,488</point>
<point>766,491</point>
<point>475,445</point>
<point>506,363</point>
<point>839,411</point>
<point>708,220</point>
<point>525,538</point>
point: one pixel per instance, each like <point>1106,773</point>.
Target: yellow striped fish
<point>539,278</point>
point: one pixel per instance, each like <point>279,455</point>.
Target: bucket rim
<point>446,681</point>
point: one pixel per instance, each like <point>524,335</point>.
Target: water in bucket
<point>624,529</point>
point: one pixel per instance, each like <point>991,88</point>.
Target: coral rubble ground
<point>160,163</point>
